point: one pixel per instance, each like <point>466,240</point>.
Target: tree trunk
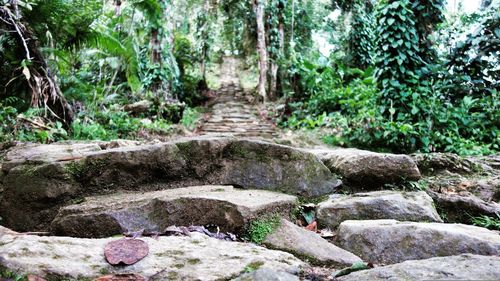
<point>44,90</point>
<point>204,48</point>
<point>261,48</point>
<point>273,84</point>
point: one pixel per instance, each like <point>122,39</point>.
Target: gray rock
<point>266,274</point>
<point>41,178</point>
<point>460,207</point>
<point>139,107</point>
<point>487,189</point>
<point>230,209</point>
<point>403,206</point>
<point>433,163</point>
<point>390,241</point>
<point>169,258</point>
<point>366,169</point>
<point>309,245</point>
<point>462,267</point>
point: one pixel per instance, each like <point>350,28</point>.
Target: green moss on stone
<point>82,169</point>
<point>260,228</point>
<point>253,266</point>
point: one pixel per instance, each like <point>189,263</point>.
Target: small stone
<point>294,239</point>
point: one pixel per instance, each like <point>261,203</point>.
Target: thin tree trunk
<point>204,51</point>
<point>273,84</point>
<point>156,57</point>
<point>261,48</point>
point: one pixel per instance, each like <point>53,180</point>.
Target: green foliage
<point>488,222</point>
<point>10,275</point>
<point>361,38</point>
<point>190,118</point>
<point>260,228</point>
<point>473,62</point>
<point>398,60</point>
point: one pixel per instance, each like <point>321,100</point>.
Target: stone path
<point>195,201</point>
<point>232,113</point>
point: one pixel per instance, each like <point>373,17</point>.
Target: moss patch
<point>80,170</point>
<point>253,266</point>
<point>260,228</point>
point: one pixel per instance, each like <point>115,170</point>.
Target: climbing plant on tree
<point>361,39</point>
<point>398,59</point>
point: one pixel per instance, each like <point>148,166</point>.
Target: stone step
<point>359,167</point>
<point>391,241</point>
<point>224,206</point>
<point>194,257</point>
<point>403,206</point>
<point>36,184</point>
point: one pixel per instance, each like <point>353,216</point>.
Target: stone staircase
<point>232,113</point>
<point>82,195</point>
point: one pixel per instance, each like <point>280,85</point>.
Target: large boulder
<point>39,179</point>
<point>229,208</point>
<point>462,267</point>
<point>390,241</point>
<point>368,170</point>
<point>403,206</point>
<point>309,245</point>
<point>196,257</point>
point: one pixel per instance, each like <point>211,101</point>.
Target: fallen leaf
<point>121,277</point>
<point>125,251</point>
<point>312,226</point>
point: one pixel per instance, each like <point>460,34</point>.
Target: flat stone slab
<point>35,190</point>
<point>197,257</point>
<point>368,170</point>
<point>266,274</point>
<point>403,206</point>
<point>309,245</point>
<point>391,241</point>
<point>462,267</point>
<point>229,208</point>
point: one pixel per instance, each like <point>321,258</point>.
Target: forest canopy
<point>400,76</point>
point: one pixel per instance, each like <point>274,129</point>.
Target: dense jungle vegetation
<point>399,76</point>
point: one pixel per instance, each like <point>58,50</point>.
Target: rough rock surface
<point>462,267</point>
<point>41,178</point>
<point>459,208</point>
<point>403,206</point>
<point>432,163</point>
<point>309,245</point>
<point>229,208</point>
<point>266,274</point>
<point>390,241</point>
<point>170,258</point>
<point>366,169</point>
